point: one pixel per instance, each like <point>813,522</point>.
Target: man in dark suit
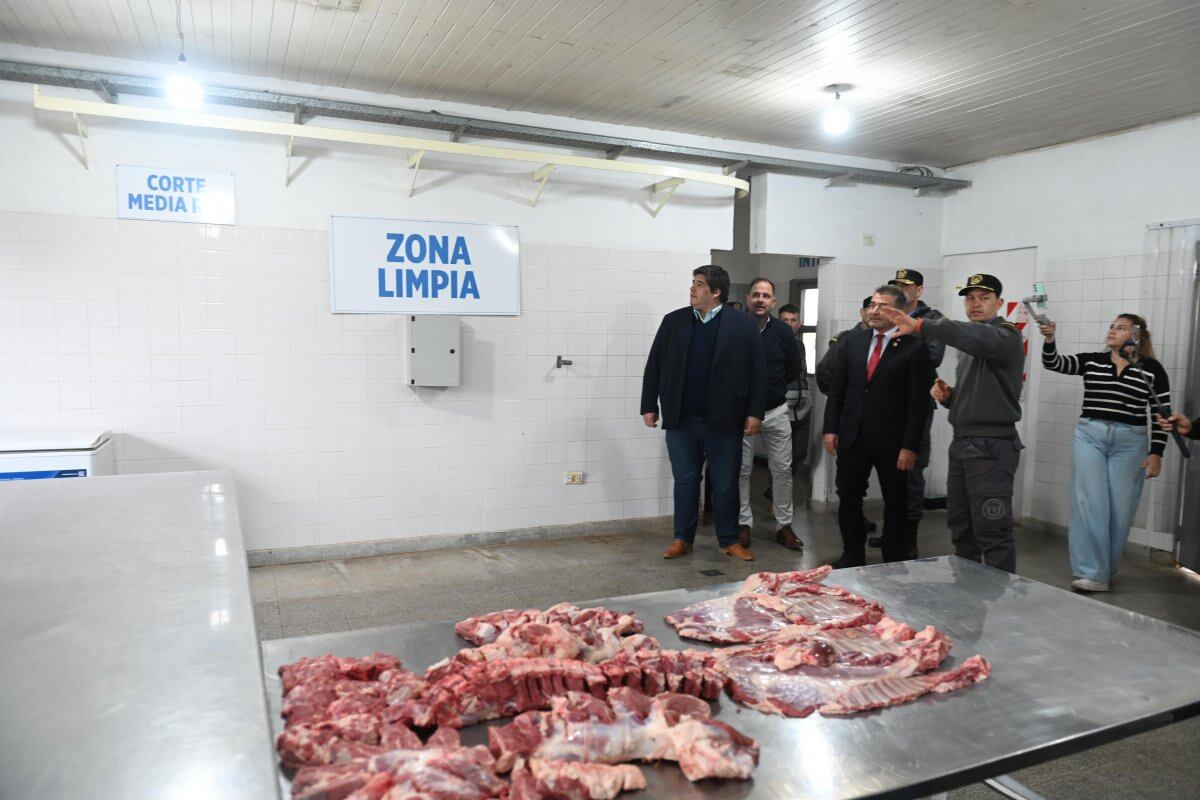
<point>874,419</point>
<point>708,369</point>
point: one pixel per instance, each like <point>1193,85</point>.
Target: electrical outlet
<point>573,477</point>
<point>868,240</point>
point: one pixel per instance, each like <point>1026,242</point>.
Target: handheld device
<point>1038,298</point>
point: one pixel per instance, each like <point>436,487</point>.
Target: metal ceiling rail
<point>111,85</point>
<point>290,130</point>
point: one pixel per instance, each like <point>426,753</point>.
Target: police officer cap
<point>907,277</point>
<point>982,280</point>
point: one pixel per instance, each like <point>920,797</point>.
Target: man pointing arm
<point>984,408</point>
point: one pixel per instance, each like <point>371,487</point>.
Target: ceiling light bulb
<point>182,88</point>
<point>836,120</point>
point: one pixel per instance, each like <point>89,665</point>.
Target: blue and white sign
<point>173,195</point>
<point>403,266</point>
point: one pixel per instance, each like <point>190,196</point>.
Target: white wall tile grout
<point>212,347</point>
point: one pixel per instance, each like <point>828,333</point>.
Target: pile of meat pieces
<point>590,692</point>
<point>351,722</point>
<point>806,647</point>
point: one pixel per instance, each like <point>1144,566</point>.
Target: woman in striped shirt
<point>1109,457</point>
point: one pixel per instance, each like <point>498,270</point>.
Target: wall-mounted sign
<point>404,266</point>
<point>173,195</point>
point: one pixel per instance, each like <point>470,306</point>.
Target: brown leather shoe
<point>787,537</point>
<point>737,551</point>
<point>744,536</point>
<point>678,548</point>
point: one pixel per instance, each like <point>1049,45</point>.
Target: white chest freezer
<point>32,455</point>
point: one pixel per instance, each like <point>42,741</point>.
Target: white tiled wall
<point>213,347</point>
<point>1085,296</point>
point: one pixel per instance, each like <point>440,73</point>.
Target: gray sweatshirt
<point>987,385</point>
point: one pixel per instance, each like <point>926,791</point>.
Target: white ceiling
<point>939,82</point>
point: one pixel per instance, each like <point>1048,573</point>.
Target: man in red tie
<point>874,419</point>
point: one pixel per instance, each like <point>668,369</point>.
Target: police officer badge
<point>901,274</point>
<point>975,280</point>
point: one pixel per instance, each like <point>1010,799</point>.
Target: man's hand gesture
<point>904,322</point>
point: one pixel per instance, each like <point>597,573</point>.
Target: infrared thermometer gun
<point>1035,304</point>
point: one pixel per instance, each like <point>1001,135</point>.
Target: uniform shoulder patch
<point>1010,326</point>
<point>833,339</point>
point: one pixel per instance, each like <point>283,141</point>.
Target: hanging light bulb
<point>836,119</point>
<point>181,87</point>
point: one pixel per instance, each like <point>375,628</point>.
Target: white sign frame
<point>178,195</point>
<point>369,270</point>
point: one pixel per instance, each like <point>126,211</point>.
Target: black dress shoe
<point>875,541</point>
<point>848,560</point>
<point>870,525</point>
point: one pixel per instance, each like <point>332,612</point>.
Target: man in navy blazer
<point>707,370</point>
<point>874,419</point>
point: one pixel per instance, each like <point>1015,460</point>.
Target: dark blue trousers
<point>689,446</point>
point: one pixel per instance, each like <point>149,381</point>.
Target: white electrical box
<point>434,351</point>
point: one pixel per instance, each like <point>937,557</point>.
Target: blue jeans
<point>1106,487</point>
<point>688,447</point>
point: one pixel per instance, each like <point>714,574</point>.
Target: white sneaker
<point>1088,585</point>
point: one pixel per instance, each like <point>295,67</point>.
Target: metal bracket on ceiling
<point>414,163</point>
<point>731,169</point>
<point>669,186</point>
<point>921,191</point>
<point>457,133</point>
<point>839,180</point>
<point>287,130</point>
<point>298,114</point>
<point>616,152</point>
<point>541,174</point>
<point>104,91</point>
<point>82,129</point>
<point>287,161</point>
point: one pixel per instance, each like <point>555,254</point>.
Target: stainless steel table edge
<point>1032,757</point>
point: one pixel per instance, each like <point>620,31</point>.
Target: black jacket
<point>827,366</point>
<point>738,386</point>
<point>784,362</point>
<point>889,410</point>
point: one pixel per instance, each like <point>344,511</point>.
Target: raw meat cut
<point>487,628</point>
<point>840,687</point>
<point>341,739</point>
<point>754,616</point>
<point>505,687</point>
<point>881,643</point>
<point>783,582</point>
<point>545,640</point>
<point>630,726</point>
<point>334,708</point>
<point>896,691</point>
<point>573,780</point>
<point>450,771</point>
<point>329,667</point>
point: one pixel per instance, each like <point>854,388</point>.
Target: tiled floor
<point>301,599</point>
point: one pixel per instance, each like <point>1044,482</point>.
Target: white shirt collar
<point>707,317</point>
<point>887,335</point>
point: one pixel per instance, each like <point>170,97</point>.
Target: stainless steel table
<point>1068,673</point>
<point>130,666</point>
